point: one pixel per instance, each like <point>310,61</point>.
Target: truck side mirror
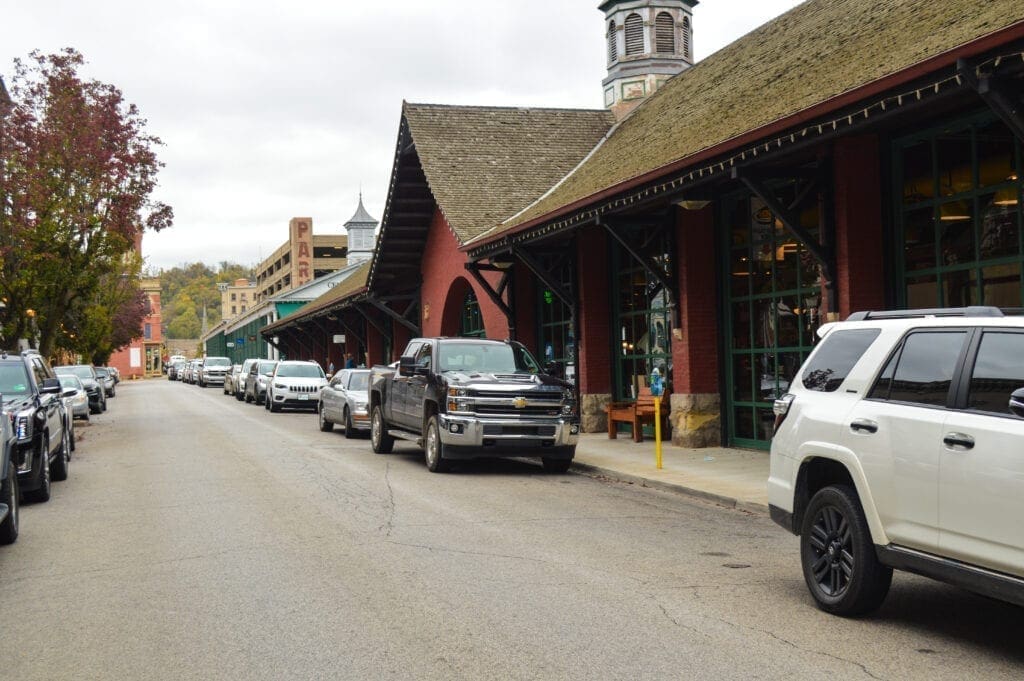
<point>1017,402</point>
<point>407,366</point>
<point>50,385</point>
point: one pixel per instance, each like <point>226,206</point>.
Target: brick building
<point>846,155</point>
<point>144,356</point>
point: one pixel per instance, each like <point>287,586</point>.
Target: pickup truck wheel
<point>60,467</point>
<point>838,557</point>
<point>9,495</point>
<point>434,448</point>
<point>325,425</point>
<point>556,465</point>
<point>350,429</point>
<point>381,442</point>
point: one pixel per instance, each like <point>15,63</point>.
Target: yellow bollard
<point>657,431</point>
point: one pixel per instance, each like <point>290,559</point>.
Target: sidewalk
<point>733,477</point>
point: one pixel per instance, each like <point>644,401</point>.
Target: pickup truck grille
<point>536,431</point>
<point>509,410</point>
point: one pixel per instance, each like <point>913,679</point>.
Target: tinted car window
<point>829,366</point>
<point>13,379</point>
<point>998,371</point>
<point>924,368</point>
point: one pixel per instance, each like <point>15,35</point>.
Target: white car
<point>344,401</point>
<point>899,446</point>
<point>295,384</point>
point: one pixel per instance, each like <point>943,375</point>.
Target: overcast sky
<point>271,110</point>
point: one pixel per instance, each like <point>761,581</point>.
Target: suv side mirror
<point>1017,402</point>
<point>407,366</point>
<point>50,386</point>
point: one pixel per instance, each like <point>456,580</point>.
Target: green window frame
<point>556,333</point>
<point>641,320</point>
<point>957,211</point>
<point>471,323</point>
<point>773,299</point>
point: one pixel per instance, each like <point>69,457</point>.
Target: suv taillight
<point>781,408</point>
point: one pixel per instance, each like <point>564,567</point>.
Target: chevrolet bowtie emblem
<point>519,403</point>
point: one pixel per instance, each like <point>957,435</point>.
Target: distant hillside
<point>187,289</point>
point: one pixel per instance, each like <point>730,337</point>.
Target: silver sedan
<point>344,401</point>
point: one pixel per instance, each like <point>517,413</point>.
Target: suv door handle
<point>954,440</point>
<point>863,425</point>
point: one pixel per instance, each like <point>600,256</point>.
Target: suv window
<point>829,366</point>
<point>922,370</point>
<point>998,371</point>
<point>39,370</point>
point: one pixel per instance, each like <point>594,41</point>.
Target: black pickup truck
<point>466,398</point>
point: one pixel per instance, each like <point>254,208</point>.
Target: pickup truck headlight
<point>460,404</point>
<point>457,392</point>
<point>568,402</point>
<point>22,423</point>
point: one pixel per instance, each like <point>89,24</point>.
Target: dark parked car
<point>32,401</point>
<point>87,374</point>
<point>10,495</point>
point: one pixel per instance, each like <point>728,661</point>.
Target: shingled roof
<point>814,53</point>
<point>349,287</point>
<point>484,164</point>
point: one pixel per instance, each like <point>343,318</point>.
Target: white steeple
<point>361,230</point>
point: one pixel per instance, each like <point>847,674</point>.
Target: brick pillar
<point>696,404</point>
<point>374,342</point>
<point>860,251</point>
<point>594,365</point>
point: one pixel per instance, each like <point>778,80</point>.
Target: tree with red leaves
<point>77,171</point>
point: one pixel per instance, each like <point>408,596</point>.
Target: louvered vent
<point>664,32</point>
<point>613,49</point>
<point>686,39</point>
<point>634,35</point>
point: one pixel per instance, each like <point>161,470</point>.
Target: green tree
<point>78,170</point>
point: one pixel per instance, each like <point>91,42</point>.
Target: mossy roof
<point>484,164</point>
<point>814,53</point>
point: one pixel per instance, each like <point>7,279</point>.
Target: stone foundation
<point>593,418</point>
<point>696,420</point>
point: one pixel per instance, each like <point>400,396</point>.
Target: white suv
<point>901,445</point>
<point>295,384</point>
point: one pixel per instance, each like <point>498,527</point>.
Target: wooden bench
<point>635,413</point>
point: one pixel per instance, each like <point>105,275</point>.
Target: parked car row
<point>37,433</point>
<point>276,385</point>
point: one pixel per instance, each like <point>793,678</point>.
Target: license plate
<point>303,397</point>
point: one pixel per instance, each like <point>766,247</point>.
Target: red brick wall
<point>695,353</point>
<point>860,276</point>
<point>445,282</point>
<point>594,334</point>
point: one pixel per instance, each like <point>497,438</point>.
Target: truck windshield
<point>490,358</point>
<point>217,362</point>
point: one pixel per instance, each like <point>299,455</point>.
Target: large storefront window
<point>556,333</point>
<point>774,308</point>
<point>642,321</point>
<point>958,215</point>
<point>471,323</point>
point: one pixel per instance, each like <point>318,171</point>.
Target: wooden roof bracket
<point>496,294</point>
<point>1003,100</point>
<point>369,319</point>
<point>400,318</point>
<point>649,266</point>
<point>822,252</point>
<point>349,330</point>
<point>546,278</point>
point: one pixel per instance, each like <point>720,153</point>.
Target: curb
<point>719,499</point>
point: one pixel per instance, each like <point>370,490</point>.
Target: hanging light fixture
<point>954,211</point>
<point>1005,197</point>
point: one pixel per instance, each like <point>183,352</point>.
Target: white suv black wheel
<point>838,556</point>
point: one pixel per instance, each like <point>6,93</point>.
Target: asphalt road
<point>202,538</point>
